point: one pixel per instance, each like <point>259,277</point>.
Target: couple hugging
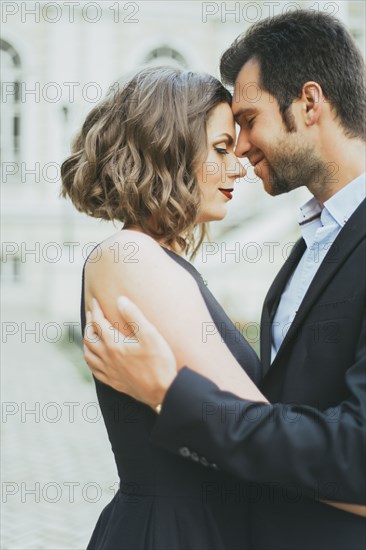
<point>216,449</point>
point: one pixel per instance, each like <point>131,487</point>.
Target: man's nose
<point>243,145</point>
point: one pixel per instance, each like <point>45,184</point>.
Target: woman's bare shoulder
<point>132,256</point>
<point>126,248</point>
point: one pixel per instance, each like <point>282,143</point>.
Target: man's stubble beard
<point>294,165</point>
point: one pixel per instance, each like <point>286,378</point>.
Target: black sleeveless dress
<point>166,502</point>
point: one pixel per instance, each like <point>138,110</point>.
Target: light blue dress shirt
<point>319,228</point>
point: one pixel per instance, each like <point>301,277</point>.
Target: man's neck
<point>345,161</point>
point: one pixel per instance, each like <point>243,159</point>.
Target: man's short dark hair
<point>299,46</point>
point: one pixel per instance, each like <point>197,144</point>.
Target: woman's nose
<point>236,169</point>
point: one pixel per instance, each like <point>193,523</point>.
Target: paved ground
<point>57,468</point>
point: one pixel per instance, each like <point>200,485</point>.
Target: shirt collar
<point>337,210</point>
<point>342,205</point>
<point>309,212</point>
<point>309,220</point>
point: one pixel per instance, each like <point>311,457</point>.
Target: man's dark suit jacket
<point>309,443</point>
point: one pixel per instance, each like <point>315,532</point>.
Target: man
<point>304,127</point>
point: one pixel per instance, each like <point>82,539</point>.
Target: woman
<point>158,156</point>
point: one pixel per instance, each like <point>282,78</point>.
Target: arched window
<point>164,55</point>
<point>11,126</point>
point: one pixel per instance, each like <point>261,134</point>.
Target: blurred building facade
<point>58,60</point>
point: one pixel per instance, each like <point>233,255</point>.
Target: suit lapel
<point>272,299</point>
<point>347,240</point>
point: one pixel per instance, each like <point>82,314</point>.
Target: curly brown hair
<point>136,157</point>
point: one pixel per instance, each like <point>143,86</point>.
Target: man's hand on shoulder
<point>133,357</point>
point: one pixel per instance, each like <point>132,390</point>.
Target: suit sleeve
<point>322,453</point>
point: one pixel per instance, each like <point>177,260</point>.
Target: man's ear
<point>312,99</point>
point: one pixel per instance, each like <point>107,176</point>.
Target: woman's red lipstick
<point>227,192</point>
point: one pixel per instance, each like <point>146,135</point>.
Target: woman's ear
<point>312,99</point>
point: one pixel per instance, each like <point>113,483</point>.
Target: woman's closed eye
<point>222,150</point>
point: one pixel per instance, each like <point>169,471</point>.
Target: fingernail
<point>122,302</point>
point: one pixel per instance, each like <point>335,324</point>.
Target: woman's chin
<point>213,216</point>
